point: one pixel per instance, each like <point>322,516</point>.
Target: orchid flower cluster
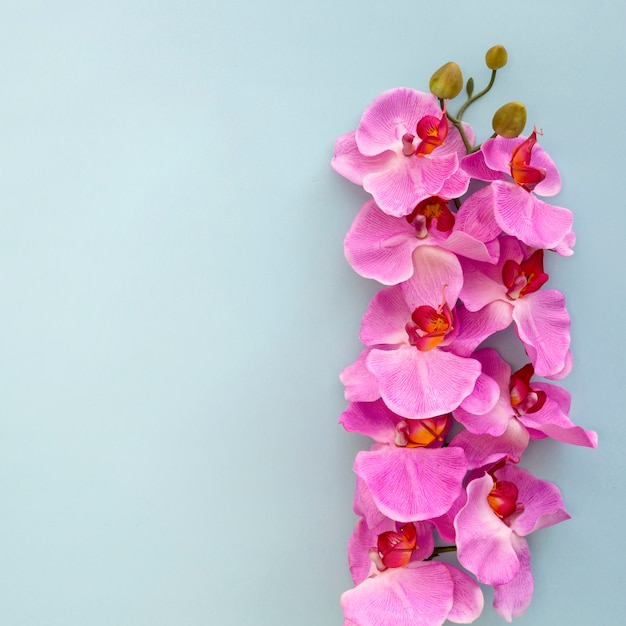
<point>456,233</point>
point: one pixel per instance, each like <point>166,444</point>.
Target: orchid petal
<point>483,540</point>
<point>513,598</point>
<point>468,597</point>
<point>542,322</point>
<point>420,594</point>
<point>412,484</point>
<point>418,384</point>
<point>360,384</point>
<point>351,164</point>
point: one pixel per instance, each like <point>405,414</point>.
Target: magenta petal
<point>542,322</point>
<point>420,594</point>
<point>474,165</point>
<point>360,385</point>
<point>390,115</point>
<point>361,540</point>
<point>484,396</point>
<point>412,484</point>
<point>542,501</point>
<point>483,539</point>
<point>476,326</point>
<point>373,419</point>
<point>468,597</point>
<point>398,188</point>
<point>513,598</point>
<point>385,319</point>
<point>363,504</point>
<point>476,218</point>
<point>482,450</point>
<point>523,215</point>
<point>438,276</point>
<point>553,422</point>
<point>418,384</point>
<point>380,246</point>
<point>353,165</point>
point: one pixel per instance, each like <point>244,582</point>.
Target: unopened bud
<point>447,81</point>
<point>496,57</point>
<point>509,120</point>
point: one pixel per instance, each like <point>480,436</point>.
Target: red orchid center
<point>423,433</point>
<point>429,327</point>
<point>525,277</point>
<point>503,498</point>
<point>525,399</point>
<point>394,549</point>
<point>523,173</point>
<point>433,208</point>
<point>431,130</point>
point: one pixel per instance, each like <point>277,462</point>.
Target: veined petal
<point>360,385</point>
<point>412,484</point>
<point>420,594</point>
<point>380,246</point>
<point>351,164</point>
<point>532,221</point>
<point>476,326</point>
<point>542,501</point>
<point>484,541</point>
<point>390,115</point>
<point>513,598</point>
<point>542,322</point>
<point>476,217</point>
<point>385,319</point>
<point>553,422</point>
<point>372,419</point>
<point>485,449</point>
<point>398,188</point>
<point>438,277</point>
<point>468,597</point>
<point>418,384</point>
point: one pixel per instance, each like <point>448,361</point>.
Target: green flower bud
<point>496,57</point>
<point>509,120</point>
<point>447,81</point>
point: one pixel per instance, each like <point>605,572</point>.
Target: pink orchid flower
<point>523,411</point>
<point>504,506</point>
<point>403,152</point>
<point>408,473</point>
<point>393,585</point>
<point>410,329</point>
<point>381,246</point>
<point>519,169</point>
<point>510,291</point>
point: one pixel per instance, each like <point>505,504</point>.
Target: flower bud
<point>496,57</point>
<point>509,120</point>
<point>447,81</point>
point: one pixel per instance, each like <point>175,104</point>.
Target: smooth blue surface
<point>175,306</point>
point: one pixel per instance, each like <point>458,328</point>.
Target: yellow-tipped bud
<point>447,81</point>
<point>509,120</point>
<point>496,57</point>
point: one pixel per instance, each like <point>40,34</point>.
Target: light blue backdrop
<point>175,306</point>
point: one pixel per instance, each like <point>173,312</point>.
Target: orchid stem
<point>480,94</point>
<point>439,550</point>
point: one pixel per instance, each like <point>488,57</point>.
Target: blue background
<point>175,306</point>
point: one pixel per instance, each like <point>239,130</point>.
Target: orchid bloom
<point>519,169</point>
<point>504,506</point>
<point>394,585</point>
<point>525,410</point>
<point>509,291</point>
<point>381,246</point>
<point>403,152</point>
<point>408,473</point>
<point>408,328</point>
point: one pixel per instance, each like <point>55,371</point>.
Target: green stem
<point>480,94</point>
<point>457,203</point>
<point>457,124</point>
<point>439,550</point>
